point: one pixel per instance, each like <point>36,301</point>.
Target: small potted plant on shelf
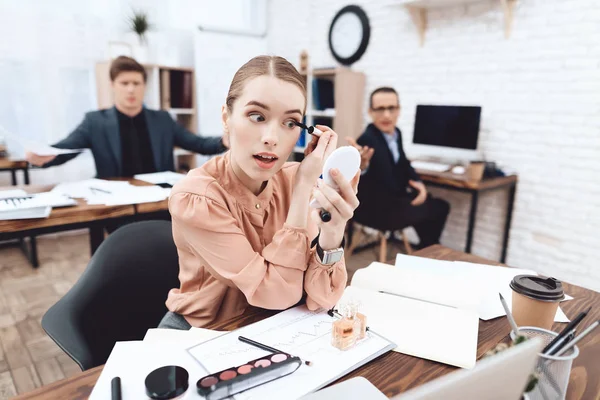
<point>139,24</point>
<point>533,378</point>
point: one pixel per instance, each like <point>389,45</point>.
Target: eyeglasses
<point>381,110</point>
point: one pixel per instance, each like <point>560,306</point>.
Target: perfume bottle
<point>361,331</point>
<point>344,330</point>
<point>360,320</point>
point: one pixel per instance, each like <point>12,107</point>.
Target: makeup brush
<point>310,129</point>
<point>267,348</point>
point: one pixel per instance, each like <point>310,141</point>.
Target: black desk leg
<point>13,176</point>
<point>26,175</point>
<point>472,214</point>
<point>96,238</point>
<point>509,211</point>
<point>30,251</point>
<point>33,248</point>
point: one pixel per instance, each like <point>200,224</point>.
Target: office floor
<point>28,358</point>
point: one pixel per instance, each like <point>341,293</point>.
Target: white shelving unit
<point>348,92</point>
<point>418,12</point>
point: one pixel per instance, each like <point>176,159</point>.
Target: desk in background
<point>81,216</point>
<point>450,181</point>
<point>14,165</point>
<point>393,372</point>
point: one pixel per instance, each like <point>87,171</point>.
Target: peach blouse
<point>236,251</point>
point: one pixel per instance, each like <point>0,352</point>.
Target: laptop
<point>500,377</point>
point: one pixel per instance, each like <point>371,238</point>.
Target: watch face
<point>347,35</point>
<point>331,257</point>
<point>337,256</point>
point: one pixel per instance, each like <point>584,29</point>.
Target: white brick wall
<point>540,92</point>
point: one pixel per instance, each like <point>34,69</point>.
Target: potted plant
<point>139,24</point>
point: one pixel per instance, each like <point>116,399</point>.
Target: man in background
<point>129,139</point>
<point>391,193</point>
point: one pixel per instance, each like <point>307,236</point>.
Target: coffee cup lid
<point>538,287</point>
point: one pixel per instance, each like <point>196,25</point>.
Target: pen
<point>567,330</point>
<point>561,343</point>
<point>115,386</point>
<point>99,190</point>
<point>511,320</point>
<point>265,347</point>
<point>577,339</point>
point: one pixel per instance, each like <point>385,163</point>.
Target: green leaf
<point>138,22</point>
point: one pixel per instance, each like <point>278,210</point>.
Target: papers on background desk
<point>18,204</point>
<point>168,177</point>
<point>112,193</point>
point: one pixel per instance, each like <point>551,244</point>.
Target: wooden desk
<point>393,372</point>
<point>14,165</point>
<point>450,181</point>
<point>92,217</point>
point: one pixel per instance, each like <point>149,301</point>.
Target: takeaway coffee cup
<point>535,300</point>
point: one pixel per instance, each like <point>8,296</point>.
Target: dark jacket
<point>383,175</point>
<point>99,132</point>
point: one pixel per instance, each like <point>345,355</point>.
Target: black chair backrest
<point>119,296</point>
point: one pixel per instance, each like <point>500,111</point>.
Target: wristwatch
<point>328,257</point>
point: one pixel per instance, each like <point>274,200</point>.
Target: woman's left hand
<point>341,206</point>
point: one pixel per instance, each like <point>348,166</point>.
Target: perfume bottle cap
<point>350,309</point>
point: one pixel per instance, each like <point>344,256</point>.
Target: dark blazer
<point>99,132</point>
<point>383,175</point>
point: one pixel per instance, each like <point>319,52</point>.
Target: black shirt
<point>136,149</point>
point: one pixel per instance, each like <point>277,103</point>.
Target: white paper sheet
<point>38,148</point>
<point>458,284</point>
<point>155,178</point>
<point>183,339</point>
<point>82,189</point>
<point>421,329</point>
<point>133,361</point>
<point>296,331</point>
<point>45,150</point>
<point>112,193</point>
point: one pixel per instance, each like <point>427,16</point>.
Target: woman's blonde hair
<point>275,66</point>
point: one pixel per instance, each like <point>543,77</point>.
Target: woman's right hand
<point>315,154</point>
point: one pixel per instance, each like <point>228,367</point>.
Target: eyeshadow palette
<point>228,382</point>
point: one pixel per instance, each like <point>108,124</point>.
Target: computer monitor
<point>447,131</point>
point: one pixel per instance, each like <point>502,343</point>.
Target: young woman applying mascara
<point>242,222</point>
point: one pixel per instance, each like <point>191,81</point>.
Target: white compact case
<point>347,160</point>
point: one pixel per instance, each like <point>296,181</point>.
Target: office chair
<point>119,296</point>
<point>357,235</point>
<point>368,215</point>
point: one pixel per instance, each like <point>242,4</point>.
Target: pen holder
<point>553,372</point>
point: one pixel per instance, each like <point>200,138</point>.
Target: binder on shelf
<point>323,97</point>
